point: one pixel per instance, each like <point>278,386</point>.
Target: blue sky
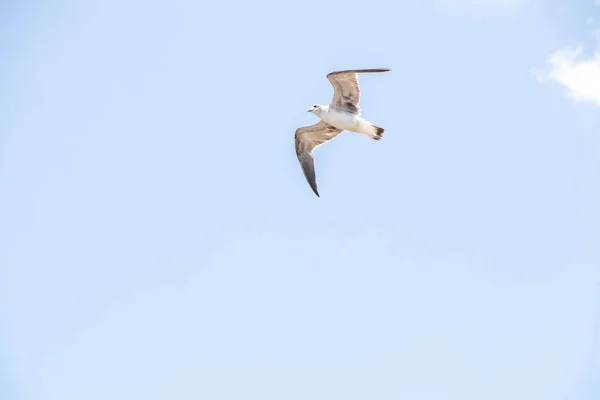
<point>158,239</point>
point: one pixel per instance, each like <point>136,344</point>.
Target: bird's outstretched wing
<point>346,92</point>
<point>309,138</point>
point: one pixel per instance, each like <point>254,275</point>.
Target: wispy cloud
<point>528,341</point>
<point>477,5</point>
<point>578,73</point>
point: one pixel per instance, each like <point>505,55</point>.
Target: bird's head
<point>315,109</point>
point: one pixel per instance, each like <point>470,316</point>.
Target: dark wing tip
<point>359,71</point>
<point>307,162</point>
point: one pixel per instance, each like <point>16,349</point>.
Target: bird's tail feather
<point>377,132</point>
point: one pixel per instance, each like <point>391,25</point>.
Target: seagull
<point>342,114</point>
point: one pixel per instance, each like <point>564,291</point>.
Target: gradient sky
<point>159,241</point>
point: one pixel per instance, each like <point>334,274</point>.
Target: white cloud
<point>580,76</point>
<point>578,73</point>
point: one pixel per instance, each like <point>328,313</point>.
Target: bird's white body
<point>345,121</point>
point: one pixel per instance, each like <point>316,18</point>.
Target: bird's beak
<point>309,110</point>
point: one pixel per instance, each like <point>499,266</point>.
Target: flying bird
<point>342,114</point>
